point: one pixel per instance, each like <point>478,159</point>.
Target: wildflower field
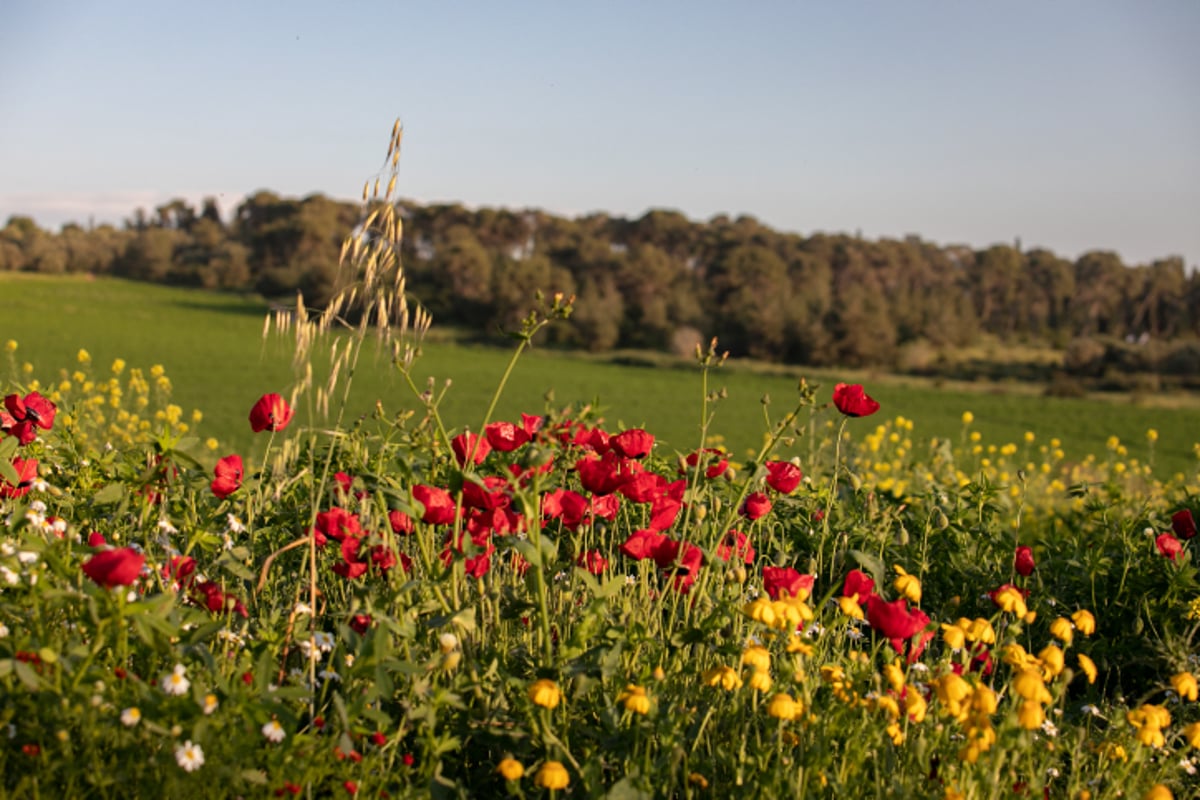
<point>388,604</point>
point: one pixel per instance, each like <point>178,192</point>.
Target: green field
<point>212,348</point>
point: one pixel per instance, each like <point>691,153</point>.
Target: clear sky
<point>1072,124</point>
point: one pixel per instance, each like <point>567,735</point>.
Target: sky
<point>1072,125</point>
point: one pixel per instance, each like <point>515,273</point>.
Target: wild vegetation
<point>544,605</point>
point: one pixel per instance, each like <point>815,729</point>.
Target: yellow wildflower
<point>907,585</point>
<point>545,693</point>
<point>782,706</point>
<point>1184,683</point>
<point>1062,630</point>
<point>760,680</point>
<point>635,699</point>
<point>1158,792</point>
<point>510,769</point>
<point>552,775</point>
<point>1192,734</point>
<point>756,656</point>
<point>1085,623</point>
<point>1088,666</point>
<point>1052,660</point>
<point>1031,715</point>
<point>725,677</point>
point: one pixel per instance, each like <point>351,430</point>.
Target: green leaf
<point>871,564</point>
<point>8,446</point>
<point>27,676</point>
<point>109,494</point>
<point>7,471</point>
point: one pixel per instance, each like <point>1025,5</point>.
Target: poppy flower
<point>438,504</point>
<point>778,581</point>
<point>716,465</point>
<point>663,512</point>
<point>783,476</point>
<point>270,413</point>
<point>1168,545</point>
<point>25,415</point>
<point>336,524</point>
<point>117,567</point>
<point>504,437</point>
<point>1023,561</point>
<point>1183,524</point>
<point>359,623</point>
<point>736,544</point>
<point>642,544</point>
<point>853,401</point>
<point>643,487</point>
<point>858,584</point>
<point>566,506</point>
<point>27,472</point>
<point>228,476</point>
<point>604,475</point>
<point>401,523</point>
<point>470,445</point>
<point>899,624</point>
<point>757,505</point>
<point>633,443</point>
<point>593,561</point>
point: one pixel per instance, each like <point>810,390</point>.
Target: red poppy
<point>119,567</point>
<point>642,544</point>
<point>566,506</point>
<point>736,544</point>
<point>504,437</point>
<point>438,504</point>
<point>27,471</point>
<point>605,474</point>
<point>26,415</point>
<point>1168,545</point>
<point>1023,561</point>
<point>1183,524</point>
<point>607,506</point>
<point>270,413</point>
<point>228,476</point>
<point>778,581</point>
<point>360,623</point>
<point>593,561</point>
<point>899,624</point>
<point>633,443</point>
<point>852,401</point>
<point>352,565</point>
<point>401,523</point>
<point>860,584</point>
<point>532,423</point>
<point>96,539</point>
<point>663,512</point>
<point>337,524</point>
<point>181,569</point>
<point>470,446</point>
<point>491,495</point>
<point>217,600</point>
<point>643,487</point>
<point>757,505</point>
<point>716,465</point>
<point>783,476</point>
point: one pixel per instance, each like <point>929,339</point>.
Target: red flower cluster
<point>115,567</point>
<point>205,593</point>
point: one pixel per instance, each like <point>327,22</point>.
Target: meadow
<point>649,583</point>
<point>211,347</point>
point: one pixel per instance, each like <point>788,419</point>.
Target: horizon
<point>1067,127</point>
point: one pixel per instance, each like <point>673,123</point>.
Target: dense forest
<point>664,282</point>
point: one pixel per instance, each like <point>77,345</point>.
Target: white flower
<point>273,731</point>
<point>323,640</point>
<point>1049,729</point>
<point>176,683</point>
<point>448,642</point>
<point>131,716</point>
<point>59,526</point>
<point>1187,766</point>
<point>165,526</point>
<point>234,524</point>
<point>210,704</point>
<point>329,675</point>
<point>40,485</point>
<point>37,507</point>
<point>302,608</point>
<point>35,519</point>
<point>1091,709</point>
<point>27,557</point>
<point>189,756</point>
<point>3,630</point>
<point>10,577</point>
<point>6,549</point>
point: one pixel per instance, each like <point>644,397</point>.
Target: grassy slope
<point>212,348</point>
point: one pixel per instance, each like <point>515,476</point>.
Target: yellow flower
<point>1062,630</point>
<point>984,700</point>
<point>1088,666</point>
<point>782,706</point>
<point>1085,623</point>
<point>760,610</point>
<point>756,656</point>
<point>635,699</point>
<point>1029,685</point>
<point>1052,660</point>
<point>896,733</point>
<point>1151,736</point>
<point>1114,752</point>
<point>1152,435</point>
<point>915,705</point>
<point>553,775</point>
<point>979,630</point>
<point>799,646</point>
<point>1031,715</point>
<point>1192,734</point>
<point>760,680</point>
<point>510,769</point>
<point>211,443</point>
<point>11,345</point>
<point>887,703</point>
<point>850,607</point>
<point>894,675</point>
<point>696,779</point>
<point>157,371</point>
<point>954,636</point>
<point>907,585</point>
<point>545,693</point>
<point>967,418</point>
<point>725,677</point>
<point>1009,599</point>
<point>84,357</point>
<point>118,366</point>
<point>1029,437</point>
<point>1158,792</point>
<point>1185,684</point>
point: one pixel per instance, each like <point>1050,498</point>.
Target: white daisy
<point>189,756</point>
<point>274,731</point>
<point>176,683</point>
<point>131,716</point>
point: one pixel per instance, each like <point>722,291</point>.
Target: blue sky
<point>1072,125</point>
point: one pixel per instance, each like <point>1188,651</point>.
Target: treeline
<point>662,281</point>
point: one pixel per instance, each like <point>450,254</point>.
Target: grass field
<point>211,347</point>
